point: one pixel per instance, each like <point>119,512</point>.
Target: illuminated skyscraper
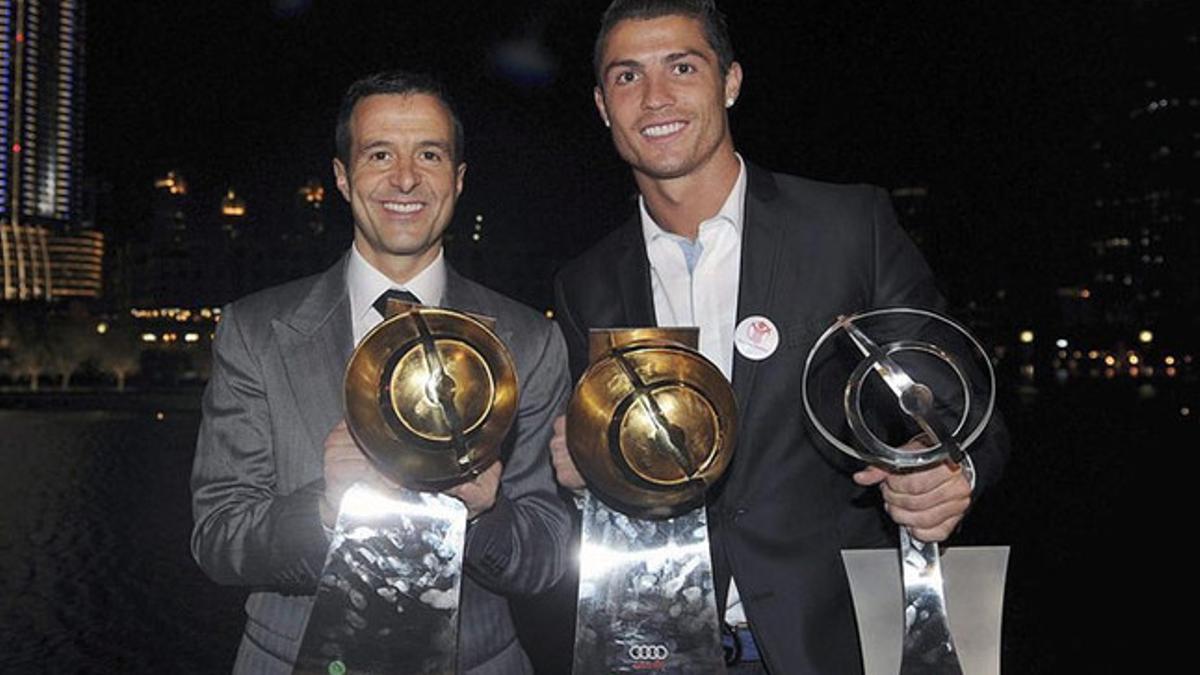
<point>41,127</point>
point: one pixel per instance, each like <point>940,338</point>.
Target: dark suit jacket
<point>279,359</point>
<point>787,506</point>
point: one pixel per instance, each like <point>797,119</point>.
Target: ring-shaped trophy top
<point>874,450</point>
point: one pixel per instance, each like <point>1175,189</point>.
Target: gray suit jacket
<point>279,358</point>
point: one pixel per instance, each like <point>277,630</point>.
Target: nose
<point>404,175</point>
<point>657,93</point>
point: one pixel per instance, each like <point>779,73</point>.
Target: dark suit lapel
<point>632,270</point>
<point>316,341</point>
<point>763,226</point>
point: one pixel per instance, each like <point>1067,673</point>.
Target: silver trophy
<point>430,394</point>
<point>904,389</point>
<point>651,425</point>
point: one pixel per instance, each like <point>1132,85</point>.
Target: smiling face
<point>401,180</point>
<point>664,96</point>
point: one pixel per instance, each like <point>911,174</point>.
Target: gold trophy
<point>651,426</point>
<point>430,394</point>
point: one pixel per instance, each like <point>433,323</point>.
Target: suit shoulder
<point>512,313</point>
<point>600,255</point>
<point>816,191</point>
<point>275,301</point>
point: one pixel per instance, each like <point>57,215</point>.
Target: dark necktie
<point>381,302</point>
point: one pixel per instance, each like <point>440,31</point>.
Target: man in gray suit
<point>274,456</point>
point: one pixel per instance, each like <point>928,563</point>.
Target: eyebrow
<point>669,58</point>
<point>381,143</point>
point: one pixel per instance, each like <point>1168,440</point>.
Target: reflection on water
<point>95,571</point>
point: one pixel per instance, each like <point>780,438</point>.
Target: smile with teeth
<point>403,207</point>
<point>660,130</point>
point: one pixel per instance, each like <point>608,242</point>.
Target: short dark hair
<point>716,31</point>
<point>398,82</point>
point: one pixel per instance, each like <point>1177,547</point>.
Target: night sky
<point>992,106</point>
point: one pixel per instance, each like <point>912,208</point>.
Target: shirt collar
<point>731,212</point>
<point>366,284</point>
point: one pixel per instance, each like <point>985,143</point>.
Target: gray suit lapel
<point>316,341</point>
<point>461,295</point>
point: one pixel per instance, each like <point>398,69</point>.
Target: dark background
<point>993,107</point>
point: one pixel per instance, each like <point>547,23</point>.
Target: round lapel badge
<point>756,338</point>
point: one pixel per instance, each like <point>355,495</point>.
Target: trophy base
<point>974,593</point>
<point>646,598</point>
<point>388,597</point>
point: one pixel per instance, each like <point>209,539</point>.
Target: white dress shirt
<point>366,284</point>
<point>695,283</point>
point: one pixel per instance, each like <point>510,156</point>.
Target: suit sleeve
<point>901,277</point>
<point>519,546</point>
<point>245,532</point>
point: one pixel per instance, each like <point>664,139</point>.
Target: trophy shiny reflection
<point>430,393</point>
<point>876,382</point>
<point>650,426</point>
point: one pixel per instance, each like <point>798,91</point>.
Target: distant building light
<point>1134,359</point>
<point>1061,343</point>
<point>1185,411</point>
<point>102,328</point>
<point>191,337</point>
<point>160,415</point>
<point>1026,337</point>
<point>475,236</point>
<point>1085,293</point>
<point>1093,354</point>
<point>479,217</point>
<point>232,205</point>
<point>1171,371</point>
<point>149,337</point>
<point>1110,360</point>
<point>549,314</point>
<point>1145,337</point>
<point>1169,360</point>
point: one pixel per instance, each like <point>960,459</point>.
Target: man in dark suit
<point>762,263</point>
<point>274,456</point>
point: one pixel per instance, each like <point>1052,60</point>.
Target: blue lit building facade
<point>44,253</point>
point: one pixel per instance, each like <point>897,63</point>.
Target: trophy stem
<point>928,646</point>
<point>646,597</point>
<point>388,596</point>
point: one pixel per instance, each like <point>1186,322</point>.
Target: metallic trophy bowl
<point>652,423</point>
<point>430,395</point>
<point>651,426</point>
<point>904,389</point>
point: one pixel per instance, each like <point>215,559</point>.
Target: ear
<point>733,81</point>
<point>339,175</point>
<point>458,179</point>
<point>598,95</point>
